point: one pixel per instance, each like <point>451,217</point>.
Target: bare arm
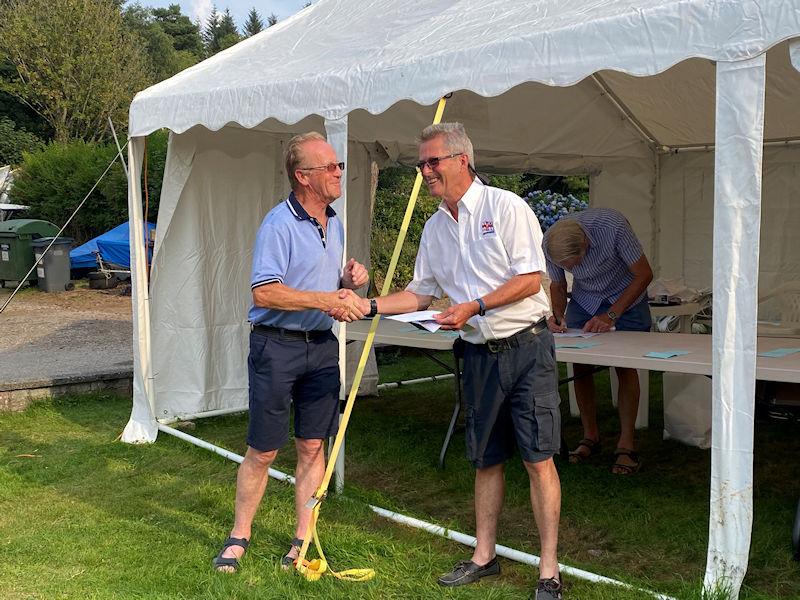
<point>402,302</point>
<point>282,297</point>
<point>513,290</point>
<point>558,298</point>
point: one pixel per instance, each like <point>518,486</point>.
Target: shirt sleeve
<point>424,282</point>
<point>270,256</point>
<point>626,244</point>
<point>521,235</point>
<point>555,272</point>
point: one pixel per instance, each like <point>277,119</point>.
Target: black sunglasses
<point>330,167</point>
<point>434,161</point>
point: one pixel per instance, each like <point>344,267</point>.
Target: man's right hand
<point>347,306</point>
<point>560,327</point>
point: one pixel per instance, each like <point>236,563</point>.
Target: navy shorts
<point>285,370</point>
<point>511,400</point>
<point>636,318</point>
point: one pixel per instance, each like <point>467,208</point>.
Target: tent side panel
<point>201,279</point>
<point>686,212</point>
<point>629,186</point>
<point>142,426</point>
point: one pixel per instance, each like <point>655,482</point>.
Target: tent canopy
<point>343,57</point>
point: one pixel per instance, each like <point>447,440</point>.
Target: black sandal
<point>222,564</point>
<point>287,561</point>
<point>576,457</point>
<point>621,468</point>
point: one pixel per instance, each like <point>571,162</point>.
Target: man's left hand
<point>354,275</point>
<point>456,316</point>
<point>599,324</point>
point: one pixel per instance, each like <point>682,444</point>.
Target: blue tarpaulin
<point>113,246</point>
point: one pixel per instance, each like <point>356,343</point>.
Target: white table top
<point>627,349</point>
<point>614,349</point>
<point>395,333</point>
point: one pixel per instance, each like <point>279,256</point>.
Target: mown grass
<point>84,516</point>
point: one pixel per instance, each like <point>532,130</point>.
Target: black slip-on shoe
<point>467,571</point>
<point>548,589</point>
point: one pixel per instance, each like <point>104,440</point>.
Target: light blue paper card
<point>666,353</point>
<point>577,345</point>
<point>779,352</point>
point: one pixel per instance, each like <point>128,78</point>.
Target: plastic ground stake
<point>313,570</point>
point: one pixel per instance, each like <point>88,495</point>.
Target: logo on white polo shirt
<point>487,227</point>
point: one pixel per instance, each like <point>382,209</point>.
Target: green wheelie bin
<point>16,254</point>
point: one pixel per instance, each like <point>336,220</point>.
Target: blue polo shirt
<point>292,249</point>
<point>603,273</point>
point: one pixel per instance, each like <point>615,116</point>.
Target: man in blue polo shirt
<point>610,275</point>
<point>294,356</point>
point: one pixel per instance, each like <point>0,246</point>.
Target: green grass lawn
<point>85,516</point>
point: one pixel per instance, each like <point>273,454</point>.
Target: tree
<point>163,60</point>
<point>14,141</point>
<point>185,34</point>
<point>254,24</point>
<point>272,19</point>
<point>75,63</point>
<point>211,32</point>
<point>227,32</point>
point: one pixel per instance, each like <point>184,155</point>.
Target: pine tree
<point>272,19</point>
<point>227,34</point>
<point>254,23</point>
<point>211,32</point>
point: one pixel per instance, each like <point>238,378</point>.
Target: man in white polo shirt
<point>483,248</point>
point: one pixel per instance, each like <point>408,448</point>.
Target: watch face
<point>612,315</point>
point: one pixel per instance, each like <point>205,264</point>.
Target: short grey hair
<point>294,153</point>
<point>455,137</point>
<point>565,240</point>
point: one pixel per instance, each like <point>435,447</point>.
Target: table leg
<point>456,410</point>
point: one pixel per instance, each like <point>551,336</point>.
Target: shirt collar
<point>470,198</point>
<point>300,213</point>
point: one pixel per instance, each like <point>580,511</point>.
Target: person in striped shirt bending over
<point>610,275</point>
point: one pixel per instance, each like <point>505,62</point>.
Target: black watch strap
<point>373,308</point>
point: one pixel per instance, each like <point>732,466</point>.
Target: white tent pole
<point>737,219</point>
<point>142,426</point>
<point>337,137</point>
<point>456,536</point>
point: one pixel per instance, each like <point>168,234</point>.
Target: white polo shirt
<point>496,237</point>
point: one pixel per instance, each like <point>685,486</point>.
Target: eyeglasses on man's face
<point>434,161</point>
<point>330,167</point>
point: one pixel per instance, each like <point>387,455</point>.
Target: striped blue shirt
<point>603,273</point>
<point>293,249</point>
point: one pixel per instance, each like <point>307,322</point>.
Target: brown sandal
<point>624,469</point>
<point>576,457</point>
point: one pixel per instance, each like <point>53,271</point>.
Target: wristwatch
<point>373,308</point>
<point>481,307</point>
<point>612,315</point>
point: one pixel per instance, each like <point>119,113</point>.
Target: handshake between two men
<point>344,304</point>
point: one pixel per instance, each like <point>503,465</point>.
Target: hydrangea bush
<point>549,207</point>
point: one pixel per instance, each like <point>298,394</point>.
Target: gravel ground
<point>71,334</point>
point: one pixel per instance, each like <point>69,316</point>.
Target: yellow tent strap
<point>314,569</point>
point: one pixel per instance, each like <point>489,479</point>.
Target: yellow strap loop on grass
<point>314,569</point>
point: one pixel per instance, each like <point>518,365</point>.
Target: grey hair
<point>565,240</point>
<point>294,153</point>
<point>455,137</point>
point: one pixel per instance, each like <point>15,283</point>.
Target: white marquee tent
<point>671,106</point>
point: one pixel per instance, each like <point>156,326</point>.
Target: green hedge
<point>14,141</point>
<point>54,180</point>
